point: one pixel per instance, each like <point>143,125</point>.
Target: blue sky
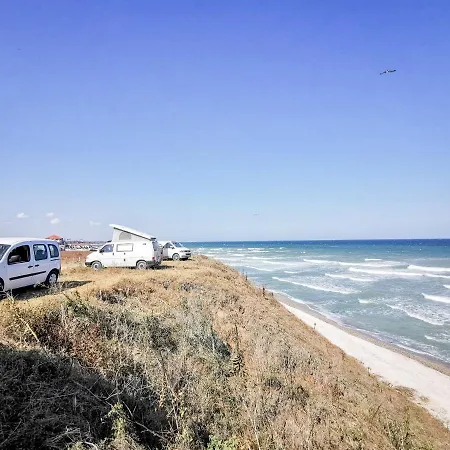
<point>237,120</point>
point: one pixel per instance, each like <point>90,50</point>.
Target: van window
<point>124,247</point>
<point>107,248</point>
<point>40,252</point>
<point>19,255</point>
<point>3,249</point>
<point>54,252</point>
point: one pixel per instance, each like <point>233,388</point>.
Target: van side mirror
<point>14,259</point>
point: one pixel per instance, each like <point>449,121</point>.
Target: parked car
<point>175,250</point>
<point>28,262</point>
<point>138,254</point>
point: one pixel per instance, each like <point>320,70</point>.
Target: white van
<point>28,262</point>
<point>174,250</point>
<point>138,254</point>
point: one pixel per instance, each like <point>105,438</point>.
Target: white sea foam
<point>373,259</point>
<point>429,269</point>
<point>365,302</point>
<point>442,341</point>
<point>348,277</point>
<point>319,288</point>
<point>437,298</point>
<point>447,286</point>
<point>432,275</point>
<point>417,316</point>
<point>390,273</point>
<point>259,268</point>
<point>380,264</point>
<point>290,271</point>
<point>319,261</point>
<point>348,264</point>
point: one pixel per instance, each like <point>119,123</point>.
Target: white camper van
<point>175,250</point>
<point>129,248</point>
<point>28,262</point>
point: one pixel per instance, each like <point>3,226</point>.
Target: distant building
<point>59,239</point>
<point>55,237</point>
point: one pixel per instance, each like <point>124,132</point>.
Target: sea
<point>397,291</point>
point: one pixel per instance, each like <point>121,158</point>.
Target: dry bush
<point>188,358</point>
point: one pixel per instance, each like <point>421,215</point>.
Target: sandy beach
<point>431,386</point>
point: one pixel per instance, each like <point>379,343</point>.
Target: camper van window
<point>124,247</point>
<point>107,249</point>
<point>177,244</point>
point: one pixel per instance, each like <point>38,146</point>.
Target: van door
<point>55,259</point>
<point>107,257</point>
<point>20,267</point>
<point>41,263</point>
<point>124,253</point>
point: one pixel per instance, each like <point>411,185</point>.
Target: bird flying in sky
<point>388,71</point>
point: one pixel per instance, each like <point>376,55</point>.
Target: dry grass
<point>192,356</point>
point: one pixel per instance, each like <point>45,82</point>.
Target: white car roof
<point>16,240</point>
<point>131,231</point>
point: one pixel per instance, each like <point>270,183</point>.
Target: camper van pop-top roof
<point>121,233</point>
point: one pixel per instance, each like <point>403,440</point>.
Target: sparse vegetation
<point>189,357</point>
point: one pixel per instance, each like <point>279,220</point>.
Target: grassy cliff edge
<point>190,356</point>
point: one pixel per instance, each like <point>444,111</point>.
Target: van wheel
<point>52,279</point>
<point>96,265</point>
<point>141,265</point>
<point>176,257</point>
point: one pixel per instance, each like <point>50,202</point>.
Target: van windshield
<point>177,244</point>
<point>3,249</point>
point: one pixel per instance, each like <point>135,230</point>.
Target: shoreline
<point>426,360</point>
<point>429,379</point>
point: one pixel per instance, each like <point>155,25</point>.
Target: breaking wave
<point>319,261</point>
<point>437,298</point>
<point>390,273</point>
<point>365,302</point>
<point>381,263</point>
<point>429,269</point>
<point>442,341</point>
<point>417,316</point>
<point>319,288</point>
<point>259,268</point>
<point>447,286</point>
<point>348,277</point>
<point>432,275</point>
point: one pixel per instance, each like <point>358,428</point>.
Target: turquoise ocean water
<point>397,291</point>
